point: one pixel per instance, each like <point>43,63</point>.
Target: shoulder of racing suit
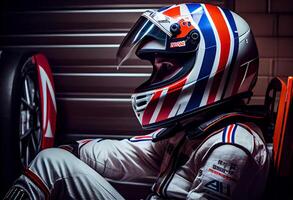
<point>246,136</point>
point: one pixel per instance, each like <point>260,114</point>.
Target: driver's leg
<point>57,174</point>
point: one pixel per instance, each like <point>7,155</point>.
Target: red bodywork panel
<point>48,102</point>
<point>282,141</point>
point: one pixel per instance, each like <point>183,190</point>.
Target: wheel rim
<point>30,115</point>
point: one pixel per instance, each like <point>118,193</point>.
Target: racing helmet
<point>202,56</point>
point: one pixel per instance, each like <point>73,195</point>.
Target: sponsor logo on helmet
<point>164,20</point>
<point>177,44</point>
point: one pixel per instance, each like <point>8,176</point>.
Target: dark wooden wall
<point>80,39</point>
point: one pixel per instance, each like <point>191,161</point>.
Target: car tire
<point>20,115</point>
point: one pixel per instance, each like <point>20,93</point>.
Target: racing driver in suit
<point>205,144</point>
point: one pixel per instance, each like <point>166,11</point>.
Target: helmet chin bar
<point>199,115</point>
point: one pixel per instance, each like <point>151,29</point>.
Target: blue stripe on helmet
<point>192,6</point>
<point>207,64</point>
<point>233,134</point>
<point>233,26</point>
<point>210,40</point>
<point>224,134</point>
<point>197,94</point>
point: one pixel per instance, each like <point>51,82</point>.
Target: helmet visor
<point>145,28</point>
<point>167,69</point>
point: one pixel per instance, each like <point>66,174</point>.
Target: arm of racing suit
<point>123,159</point>
<point>232,170</point>
<point>223,175</point>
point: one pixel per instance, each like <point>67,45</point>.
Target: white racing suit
<point>231,163</point>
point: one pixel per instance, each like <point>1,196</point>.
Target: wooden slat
<point>74,21</point>
<point>99,82</point>
<point>61,39</point>
<point>96,116</point>
<point>147,68</point>
<point>91,4</point>
<point>94,54</point>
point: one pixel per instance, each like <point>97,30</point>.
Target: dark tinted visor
<point>168,69</point>
<point>143,30</point>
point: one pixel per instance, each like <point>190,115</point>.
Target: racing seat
<point>279,105</point>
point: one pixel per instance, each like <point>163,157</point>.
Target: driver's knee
<point>51,154</point>
<point>52,159</point>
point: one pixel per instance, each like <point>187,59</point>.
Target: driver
<point>205,144</point>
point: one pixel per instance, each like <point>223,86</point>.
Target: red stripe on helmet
<point>229,133</point>
<point>151,107</point>
<point>173,12</point>
<point>170,99</point>
<point>224,37</point>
